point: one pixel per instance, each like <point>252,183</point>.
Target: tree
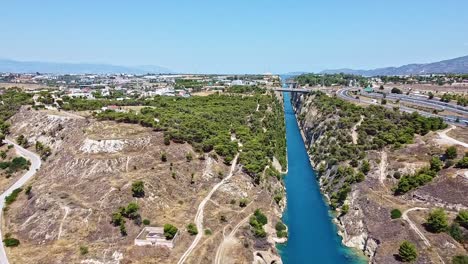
<point>455,232</point>
<point>365,167</point>
<point>436,164</point>
<point>11,242</point>
<point>192,229</point>
<point>170,231</point>
<point>395,214</point>
<point>437,221</point>
<point>407,252</point>
<point>138,189</point>
<point>451,152</point>
<point>460,259</point>
<point>462,163</point>
<point>396,91</point>
<point>462,218</point>
<point>431,95</point>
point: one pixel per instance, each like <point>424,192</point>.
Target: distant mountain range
<point>77,68</point>
<point>457,65</point>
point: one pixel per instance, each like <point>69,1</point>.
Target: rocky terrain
<point>89,176</point>
<point>366,224</point>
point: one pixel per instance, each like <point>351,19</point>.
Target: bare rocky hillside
<point>367,224</point>
<point>89,176</point>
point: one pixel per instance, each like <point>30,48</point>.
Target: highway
<point>35,165</point>
<point>344,94</point>
<point>433,103</point>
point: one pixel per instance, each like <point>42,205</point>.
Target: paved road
<point>199,215</point>
<point>35,165</point>
<point>344,94</point>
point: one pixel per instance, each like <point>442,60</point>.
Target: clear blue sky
<point>252,36</point>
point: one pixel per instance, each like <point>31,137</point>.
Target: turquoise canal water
<point>312,235</point>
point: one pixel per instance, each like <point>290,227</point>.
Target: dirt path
<point>418,232</point>
<point>446,139</point>
<point>35,165</point>
<point>227,241</point>
<point>354,133</point>
<point>383,167</point>
<point>199,215</point>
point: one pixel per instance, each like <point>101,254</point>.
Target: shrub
<point>407,252</point>
<point>169,231</point>
<point>365,167</point>
<point>243,202</point>
<point>344,209</point>
<point>462,163</point>
<point>192,229</point>
<point>451,152</point>
<point>462,218</point>
<point>460,259</point>
<point>163,157</point>
<point>12,197</point>
<point>395,214</point>
<point>11,242</point>
<point>208,232</point>
<point>455,232</point>
<point>146,222</point>
<point>261,218</point>
<point>138,189</point>
<point>123,229</point>
<point>437,221</point>
<point>257,221</point>
<point>84,250</point>
<point>189,156</point>
<point>396,91</point>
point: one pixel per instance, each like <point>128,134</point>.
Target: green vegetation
<point>396,91</point>
<point>243,89</point>
<point>11,242</point>
<point>12,197</point>
<point>170,231</point>
<point>460,259</point>
<point>208,122</point>
<point>410,182</point>
<point>84,250</point>
<point>138,189</point>
<point>380,128</point>
<point>208,232</point>
<point>43,150</point>
<point>257,221</point>
<point>192,229</point>
<point>451,152</point>
<point>129,212</point>
<point>395,214</point>
<point>16,164</point>
<point>22,141</point>
<point>436,164</point>
<point>455,231</point>
<point>437,221</point>
<point>281,230</point>
<point>407,252</point>
<point>462,218</point>
<point>243,202</point>
<point>146,222</point>
<point>12,100</point>
<point>331,79</point>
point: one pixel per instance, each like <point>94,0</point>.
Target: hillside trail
<point>444,138</point>
<point>35,165</point>
<point>199,214</point>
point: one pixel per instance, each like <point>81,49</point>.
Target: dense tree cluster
<point>257,221</point>
<point>331,79</point>
<point>207,123</point>
<point>380,127</point>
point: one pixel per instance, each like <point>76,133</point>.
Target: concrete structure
<point>154,236</point>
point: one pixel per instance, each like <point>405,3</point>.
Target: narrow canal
<point>312,235</point>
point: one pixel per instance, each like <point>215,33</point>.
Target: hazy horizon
<point>235,37</point>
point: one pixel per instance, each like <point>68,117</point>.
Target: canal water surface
<point>312,235</point>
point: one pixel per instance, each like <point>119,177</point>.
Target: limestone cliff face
<point>363,201</point>
<point>352,227</point>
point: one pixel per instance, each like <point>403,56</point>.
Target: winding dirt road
<point>446,138</point>
<point>35,165</point>
<point>228,240</point>
<point>199,215</point>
